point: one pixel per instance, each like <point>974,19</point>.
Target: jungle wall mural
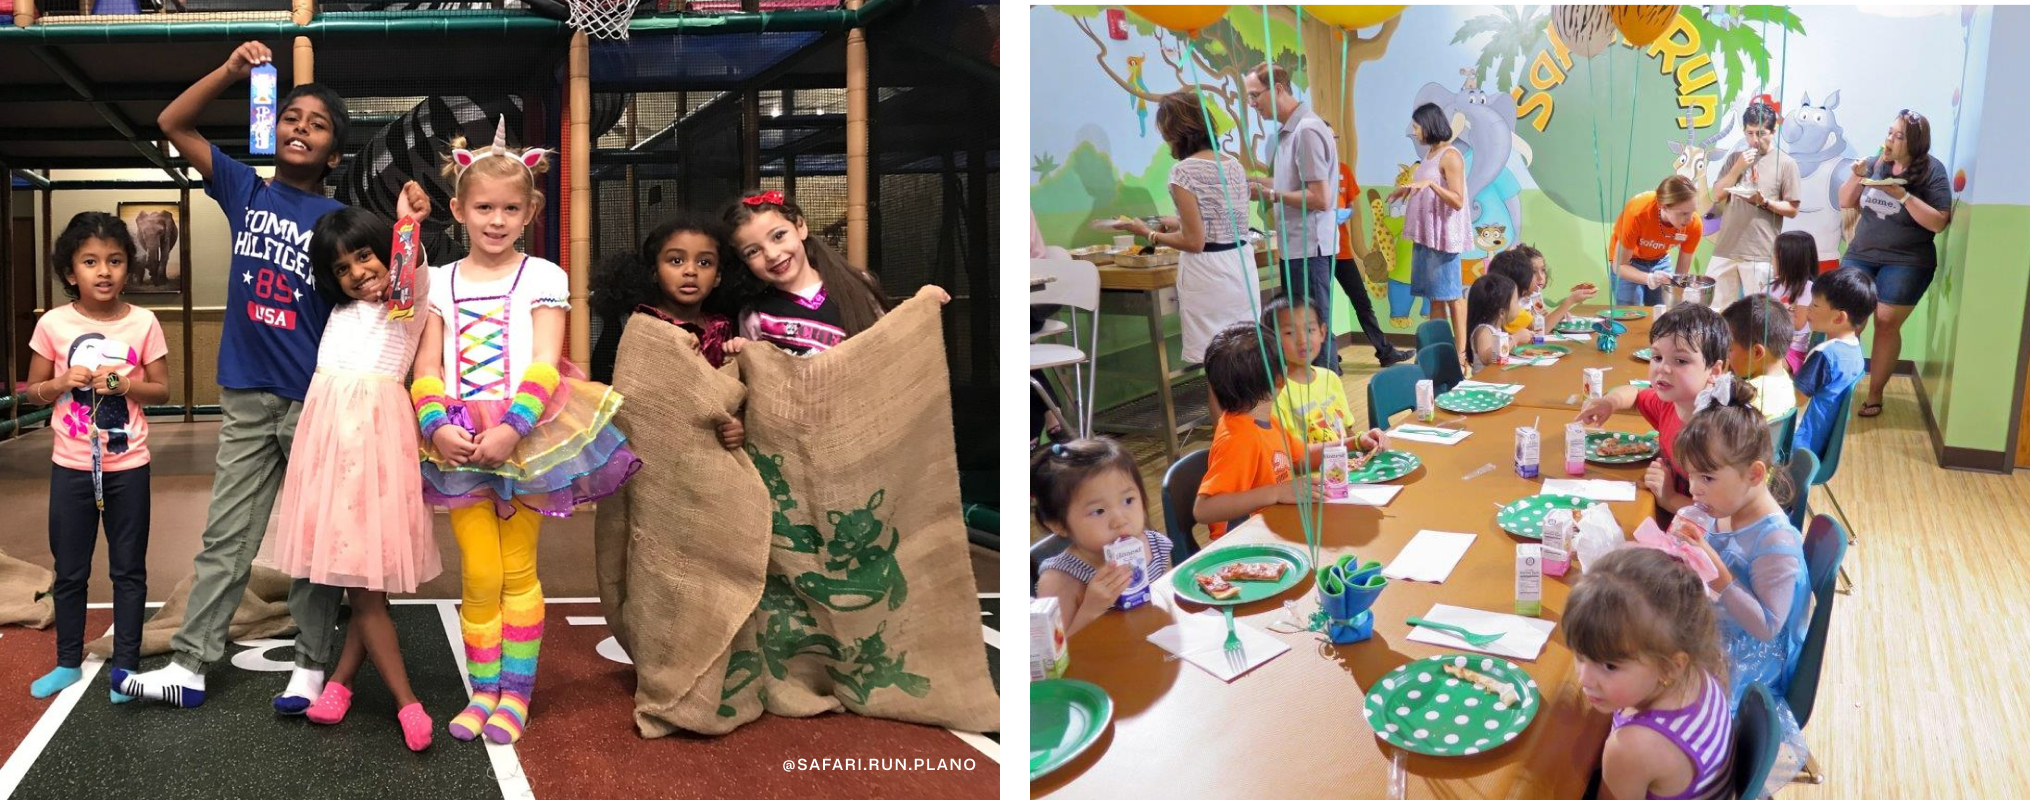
<point>1560,116</point>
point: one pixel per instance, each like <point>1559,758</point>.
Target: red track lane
<point>27,654</point>
<point>581,741</point>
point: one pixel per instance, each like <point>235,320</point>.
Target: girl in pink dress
<point>352,512</point>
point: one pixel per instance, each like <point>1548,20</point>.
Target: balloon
<point>1585,30</point>
<point>1354,18</point>
<point>1643,24</point>
<point>1182,19</point>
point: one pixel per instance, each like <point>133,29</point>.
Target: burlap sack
<point>263,613</point>
<point>870,602</point>
<point>24,593</point>
<point>682,547</point>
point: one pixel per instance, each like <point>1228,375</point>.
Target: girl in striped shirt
<point>1649,653</point>
<point>1090,492</point>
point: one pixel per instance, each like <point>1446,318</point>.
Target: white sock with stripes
<point>171,684</point>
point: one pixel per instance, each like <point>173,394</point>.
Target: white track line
<point>993,637</point>
<point>45,728</point>
<point>986,746</point>
<point>507,767</point>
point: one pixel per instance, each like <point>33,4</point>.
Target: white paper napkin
<point>1429,557</point>
<point>1604,491</point>
<point>1368,494</point>
<point>1533,361</point>
<point>1201,639</point>
<point>1426,433</point>
<point>1522,638</point>
<point>1568,337</point>
<point>1510,389</point>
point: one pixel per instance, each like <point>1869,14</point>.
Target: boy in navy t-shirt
<point>267,352</point>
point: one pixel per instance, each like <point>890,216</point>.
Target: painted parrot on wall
<point>1139,102</point>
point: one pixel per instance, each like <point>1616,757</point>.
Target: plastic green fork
<point>1475,639</point>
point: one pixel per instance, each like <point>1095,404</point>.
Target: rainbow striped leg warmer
<point>483,662</point>
<point>521,640</point>
<point>539,383</point>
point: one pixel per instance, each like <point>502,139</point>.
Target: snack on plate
<point>1534,352</point>
<point>1624,447</point>
<point>1265,571</point>
<point>1216,587</point>
<point>1498,688</point>
<point>1883,182</point>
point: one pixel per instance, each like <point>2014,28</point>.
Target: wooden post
<point>579,158</point>
<point>48,241</point>
<point>856,145</point>
<point>14,371</point>
<point>189,322</point>
<point>750,140</point>
<point>302,11</point>
<point>24,13</point>
<point>305,61</point>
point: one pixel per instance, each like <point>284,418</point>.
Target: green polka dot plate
<point>1185,578</point>
<point>1423,709</point>
<point>1386,465</point>
<point>1540,351</point>
<point>1525,517</point>
<point>1624,313</point>
<point>1472,401</point>
<point>1595,440</point>
<point>1574,326</point>
<point>1645,354</point>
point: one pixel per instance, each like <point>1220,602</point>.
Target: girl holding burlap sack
<point>826,570</point>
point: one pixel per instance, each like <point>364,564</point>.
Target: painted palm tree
<point>1732,34</point>
<point>1518,32</point>
<point>1043,165</point>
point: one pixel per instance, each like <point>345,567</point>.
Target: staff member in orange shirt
<point>1649,226</point>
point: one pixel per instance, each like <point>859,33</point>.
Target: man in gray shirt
<point>1301,195</point>
<point>1756,192</point>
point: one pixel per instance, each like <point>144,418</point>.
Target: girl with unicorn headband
<point>511,431</point>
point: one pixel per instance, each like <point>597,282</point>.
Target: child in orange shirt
<point>1249,466</point>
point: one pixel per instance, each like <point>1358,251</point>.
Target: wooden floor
<point>1922,694</point>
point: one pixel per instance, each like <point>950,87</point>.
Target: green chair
<point>1434,331</point>
<point>1040,552</point>
<point>1391,391</point>
<point>1825,546</point>
<point>1781,431</point>
<point>1829,463</point>
<point>1801,467</point>
<point>1180,493</point>
<point>1440,363</point>
<point>1757,737</point>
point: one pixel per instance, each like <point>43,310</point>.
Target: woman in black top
<point>1893,240</point>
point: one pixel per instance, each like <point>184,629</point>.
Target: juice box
<point>1529,579</point>
<point>1426,402</point>
<point>1526,452</point>
<point>1334,465</point>
<point>1129,552</point>
<point>1501,348</point>
<point>1575,449</point>
<point>1559,529</point>
<point>1595,381</point>
<point>1049,653</point>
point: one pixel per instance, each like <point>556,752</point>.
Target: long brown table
<point>1556,385</point>
<point>1293,727</point>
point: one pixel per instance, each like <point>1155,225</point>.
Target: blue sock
<point>117,698</point>
<point>54,682</point>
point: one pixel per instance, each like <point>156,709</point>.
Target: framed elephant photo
<point>156,227</point>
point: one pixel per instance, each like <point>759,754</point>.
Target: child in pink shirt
<point>97,361</point>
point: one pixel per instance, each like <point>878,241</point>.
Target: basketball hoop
<point>604,19</point>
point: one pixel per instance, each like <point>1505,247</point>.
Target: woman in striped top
<point>1090,492</point>
<point>1649,653</point>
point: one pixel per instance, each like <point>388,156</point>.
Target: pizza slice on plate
<point>1217,587</point>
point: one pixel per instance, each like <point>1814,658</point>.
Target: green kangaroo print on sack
<point>871,570</point>
<point>794,538</point>
<point>745,665</point>
<point>787,633</point>
<point>874,669</point>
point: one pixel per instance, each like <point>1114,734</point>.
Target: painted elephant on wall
<point>1483,126</point>
<point>155,234</point>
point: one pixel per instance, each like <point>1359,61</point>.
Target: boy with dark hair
<point>1842,301</point>
<point>267,352</point>
<point>1252,452</point>
<point>1758,332</point>
<point>1691,356</point>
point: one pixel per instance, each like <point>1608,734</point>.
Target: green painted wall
<point>1968,337</point>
